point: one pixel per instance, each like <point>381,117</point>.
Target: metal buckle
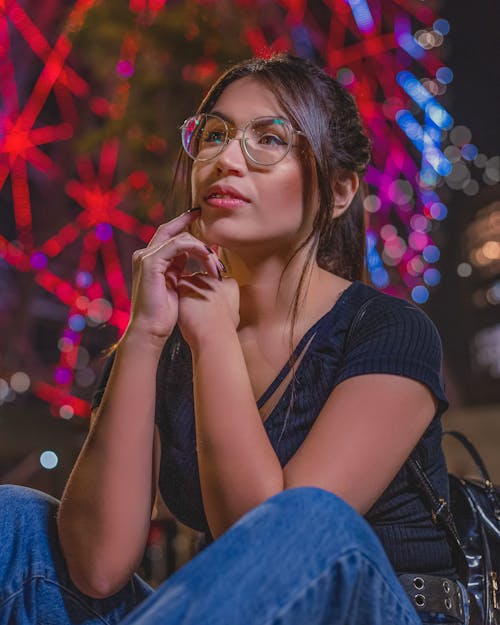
<point>443,505</point>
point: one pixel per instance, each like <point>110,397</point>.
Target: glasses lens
<point>268,139</point>
<point>204,136</point>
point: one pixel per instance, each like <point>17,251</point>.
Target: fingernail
<point>221,264</point>
<point>218,273</point>
<point>194,209</point>
<point>209,249</point>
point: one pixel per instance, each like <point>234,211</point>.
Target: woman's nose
<point>232,157</point>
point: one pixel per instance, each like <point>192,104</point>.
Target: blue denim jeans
<point>303,557</point>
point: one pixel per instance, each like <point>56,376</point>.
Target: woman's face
<point>244,205</point>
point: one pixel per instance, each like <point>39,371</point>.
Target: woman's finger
<point>173,227</point>
<point>184,243</point>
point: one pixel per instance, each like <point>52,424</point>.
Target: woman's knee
<point>316,516</point>
<point>25,511</point>
<point>21,499</point>
<point>315,504</point>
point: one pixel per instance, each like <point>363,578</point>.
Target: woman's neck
<point>267,294</point>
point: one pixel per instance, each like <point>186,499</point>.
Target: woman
<point>274,408</point>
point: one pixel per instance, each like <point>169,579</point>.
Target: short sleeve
<point>395,337</point>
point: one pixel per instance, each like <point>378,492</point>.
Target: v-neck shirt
<point>391,336</point>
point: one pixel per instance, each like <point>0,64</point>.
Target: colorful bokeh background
<point>91,97</point>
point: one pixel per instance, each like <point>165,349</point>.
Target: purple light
<point>71,335</point>
<point>83,279</point>
<point>62,375</point>
<point>104,232</point>
<point>38,260</point>
<point>124,69</point>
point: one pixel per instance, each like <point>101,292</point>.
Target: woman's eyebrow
<point>224,117</point>
<point>231,121</point>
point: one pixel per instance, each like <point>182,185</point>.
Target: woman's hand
<point>207,305</point>
<point>157,270</point>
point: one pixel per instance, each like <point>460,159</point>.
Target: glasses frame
<point>228,128</point>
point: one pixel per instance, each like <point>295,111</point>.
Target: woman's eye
<point>271,139</point>
<point>213,136</point>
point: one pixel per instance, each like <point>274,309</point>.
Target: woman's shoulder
<point>374,310</point>
<point>388,334</point>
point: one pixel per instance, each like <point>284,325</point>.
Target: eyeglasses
<point>264,140</point>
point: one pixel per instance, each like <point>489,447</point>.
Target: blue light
<point>412,129</point>
<point>76,323</point>
<point>438,211</point>
<point>420,294</point>
<point>432,276</point>
<point>469,151</point>
<point>428,176</point>
<point>407,42</point>
<point>302,41</point>
<point>380,277</point>
<point>378,273</point>
<point>431,253</point>
<point>437,160</point>
<point>428,196</point>
<point>441,26</point>
<point>427,142</point>
<point>49,460</point>
<point>439,115</point>
<point>444,75</point>
<point>362,15</point>
<point>424,99</point>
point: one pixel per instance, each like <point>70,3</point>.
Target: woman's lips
<point>224,196</point>
<point>225,201</point>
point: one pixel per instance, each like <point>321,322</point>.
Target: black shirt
<point>391,336</point>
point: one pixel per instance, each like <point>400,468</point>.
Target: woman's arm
<point>361,438</point>
<point>238,467</point>
<point>106,507</point>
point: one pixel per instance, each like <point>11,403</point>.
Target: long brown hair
<point>335,141</point>
<point>327,115</point>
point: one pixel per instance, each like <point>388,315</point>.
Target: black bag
<point>472,523</point>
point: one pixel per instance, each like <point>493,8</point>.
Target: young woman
<point>273,408</point>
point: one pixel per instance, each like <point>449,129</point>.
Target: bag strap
<point>440,509</point>
<point>441,515</point>
<point>488,484</point>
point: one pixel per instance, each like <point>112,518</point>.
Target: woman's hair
<point>334,142</point>
<point>326,113</point>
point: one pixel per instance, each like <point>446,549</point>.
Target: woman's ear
<point>345,185</point>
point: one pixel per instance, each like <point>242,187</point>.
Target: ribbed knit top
<point>391,336</point>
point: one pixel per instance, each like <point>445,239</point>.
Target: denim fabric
<point>35,587</point>
<point>304,557</point>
